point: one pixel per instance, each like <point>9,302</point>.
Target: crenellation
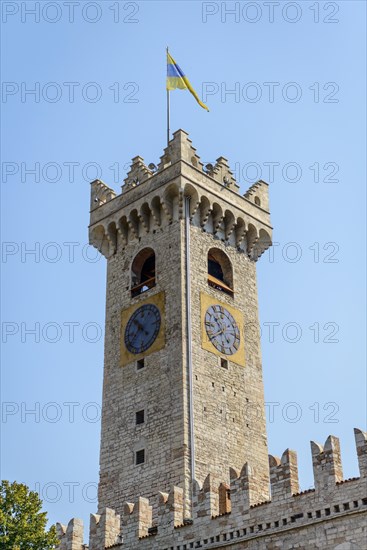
<point>170,510</point>
<point>326,461</point>
<point>284,475</point>
<point>72,536</point>
<point>104,529</point>
<point>331,514</point>
<point>138,174</point>
<point>153,198</point>
<point>206,498</point>
<point>100,194</point>
<point>247,490</point>
<point>224,175</point>
<point>137,520</point>
<point>61,535</point>
<point>361,446</point>
<point>258,193</point>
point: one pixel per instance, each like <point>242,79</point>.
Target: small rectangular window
<point>224,363</point>
<point>140,364</point>
<point>139,417</point>
<point>140,456</point>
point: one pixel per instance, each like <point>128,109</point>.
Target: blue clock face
<point>142,328</point>
<point>222,329</point>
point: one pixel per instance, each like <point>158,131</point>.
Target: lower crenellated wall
<point>331,516</point>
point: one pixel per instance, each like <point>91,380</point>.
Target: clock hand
<point>133,336</point>
<point>140,327</point>
<point>217,333</point>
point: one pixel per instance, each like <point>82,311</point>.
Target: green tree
<point>22,524</point>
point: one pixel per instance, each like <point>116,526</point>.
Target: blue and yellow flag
<point>177,79</point>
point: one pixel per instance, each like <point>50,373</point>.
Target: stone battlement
<point>237,514</point>
<point>153,197</point>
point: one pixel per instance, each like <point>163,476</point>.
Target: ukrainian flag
<point>177,79</point>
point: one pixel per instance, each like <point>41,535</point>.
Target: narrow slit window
<point>140,457</point>
<point>139,417</point>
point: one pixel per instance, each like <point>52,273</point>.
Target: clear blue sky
<point>313,128</point>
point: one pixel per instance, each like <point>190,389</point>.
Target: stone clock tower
<point>183,389</point>
<point>184,461</point>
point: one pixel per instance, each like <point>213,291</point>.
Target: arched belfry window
<point>143,272</point>
<point>220,273</point>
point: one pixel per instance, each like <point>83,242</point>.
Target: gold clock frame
<point>126,356</point>
<point>238,357</point>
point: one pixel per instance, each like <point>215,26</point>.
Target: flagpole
<point>168,112</point>
<point>168,129</point>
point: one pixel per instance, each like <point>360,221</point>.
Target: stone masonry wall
<point>158,388</point>
<point>330,517</point>
<point>229,402</point>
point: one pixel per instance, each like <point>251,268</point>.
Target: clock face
<point>142,328</point>
<point>222,329</point>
